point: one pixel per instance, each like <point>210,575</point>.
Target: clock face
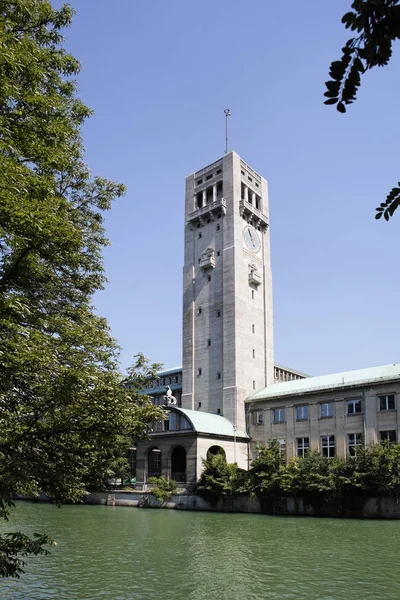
<point>251,238</point>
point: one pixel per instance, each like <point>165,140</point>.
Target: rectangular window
<point>218,253</point>
<point>209,177</point>
<point>166,425</point>
<point>219,187</point>
<point>199,181</point>
<point>328,445</point>
<point>253,328</point>
<point>279,415</point>
<point>208,342</point>
<point>219,171</point>
<point>200,235</point>
<point>282,448</point>
<point>218,313</point>
<point>303,446</point>
<point>353,406</point>
<point>302,413</point>
<point>386,402</point>
<point>354,440</point>
<point>257,417</point>
<point>252,294</point>
<point>254,353</point>
<point>199,310</point>
<point>218,227</point>
<point>254,384</point>
<point>218,375</point>
<point>209,278</point>
<point>327,410</point>
<point>388,437</point>
<point>163,381</point>
<point>199,372</point>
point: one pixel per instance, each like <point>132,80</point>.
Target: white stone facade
<point>227,289</point>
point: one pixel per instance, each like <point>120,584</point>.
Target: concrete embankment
<point>373,508</point>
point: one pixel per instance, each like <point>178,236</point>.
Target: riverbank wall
<point>372,508</point>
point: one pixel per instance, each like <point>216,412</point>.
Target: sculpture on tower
<point>169,398</point>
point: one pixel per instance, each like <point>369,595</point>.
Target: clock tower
<point>227,289</point>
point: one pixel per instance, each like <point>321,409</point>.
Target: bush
<point>163,488</point>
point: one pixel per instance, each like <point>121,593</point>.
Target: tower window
<point>254,384</point>
<point>219,171</point>
<point>218,227</point>
<point>199,310</point>
<point>198,225</point>
<point>243,173</point>
<point>254,353</point>
<point>209,278</point>
<point>208,342</point>
<point>218,411</point>
<point>199,260</point>
<point>218,253</point>
<point>249,178</point>
<point>253,328</point>
<point>199,372</point>
<point>209,176</point>
<point>218,313</point>
<point>218,375</point>
<point>199,181</point>
<point>252,294</point>
<point>219,187</point>
<point>200,235</point>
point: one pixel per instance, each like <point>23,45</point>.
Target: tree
<point>63,413</point>
<point>377,23</point>
<point>220,479</point>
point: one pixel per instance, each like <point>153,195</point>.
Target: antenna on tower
<point>227,115</point>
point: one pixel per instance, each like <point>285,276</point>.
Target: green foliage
<point>64,415</point>
<point>377,23</point>
<point>15,545</point>
<point>342,483</point>
<point>220,479</point>
<point>162,488</point>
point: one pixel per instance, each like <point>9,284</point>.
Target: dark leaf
<point>331,101</point>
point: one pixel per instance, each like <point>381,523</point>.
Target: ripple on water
<point>134,554</point>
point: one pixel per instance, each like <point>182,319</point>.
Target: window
<point>218,227</point>
<point>166,425</point>
<point>257,417</point>
<point>252,328</point>
<point>199,310</point>
<point>279,415</point>
<point>328,445</point>
<point>303,446</point>
<point>302,413</point>
<point>218,411</point>
<point>200,235</point>
<point>252,294</point>
<point>176,378</point>
<point>388,437</point>
<point>257,185</point>
<point>353,407</point>
<point>243,173</point>
<point>327,410</point>
<point>218,375</point>
<point>163,381</point>
<point>199,260</point>
<point>249,178</point>
<point>254,353</point>
<point>218,215</point>
<point>354,440</point>
<point>199,181</point>
<point>209,278</point>
<point>208,342</point>
<point>208,220</point>
<point>198,225</point>
<point>219,171</point>
<point>209,177</point>
<point>199,372</point>
<point>282,448</point>
<point>218,313</point>
<point>218,253</point>
<point>219,187</point>
<point>254,384</point>
<point>386,402</point>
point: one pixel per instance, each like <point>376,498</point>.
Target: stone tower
<point>227,289</point>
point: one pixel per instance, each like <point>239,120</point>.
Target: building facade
<point>331,413</point>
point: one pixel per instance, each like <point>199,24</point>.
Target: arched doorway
<point>214,450</point>
<point>178,464</point>
<point>154,463</point>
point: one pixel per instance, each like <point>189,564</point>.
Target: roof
<point>169,372</point>
<point>328,382</point>
<point>203,422</point>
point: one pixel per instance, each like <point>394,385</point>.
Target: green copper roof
<point>325,382</point>
<point>209,423</point>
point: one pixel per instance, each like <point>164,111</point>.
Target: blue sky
<point>158,76</point>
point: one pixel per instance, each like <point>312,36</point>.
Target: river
<point>118,553</point>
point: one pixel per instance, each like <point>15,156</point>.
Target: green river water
<point>118,553</point>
